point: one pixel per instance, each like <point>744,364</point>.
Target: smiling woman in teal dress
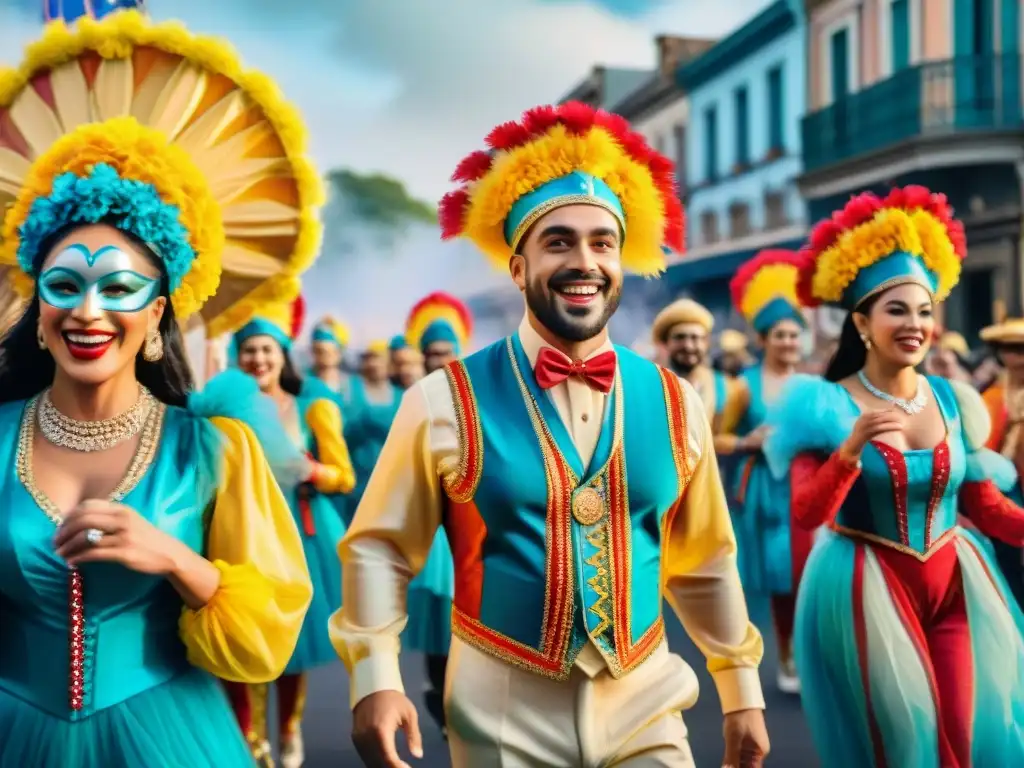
<point>145,547</point>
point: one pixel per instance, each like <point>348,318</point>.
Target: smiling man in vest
<point>577,483</point>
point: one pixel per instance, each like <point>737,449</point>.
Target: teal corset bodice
<point>909,499</point>
<point>550,551</point>
<point>130,637</point>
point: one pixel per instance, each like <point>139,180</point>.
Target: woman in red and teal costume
<point>908,641</point>
<point>764,292</point>
<point>311,417</point>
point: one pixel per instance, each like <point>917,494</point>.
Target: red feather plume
<point>747,271</point>
<point>578,118</point>
<point>298,316</point>
<point>473,167</point>
<point>440,297</point>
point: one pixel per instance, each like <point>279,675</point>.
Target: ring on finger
<point>94,536</point>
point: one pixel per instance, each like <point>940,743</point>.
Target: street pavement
<point>328,723</point>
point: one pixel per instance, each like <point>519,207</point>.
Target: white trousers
<point>500,716</point>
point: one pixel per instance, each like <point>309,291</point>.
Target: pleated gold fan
<point>247,142</point>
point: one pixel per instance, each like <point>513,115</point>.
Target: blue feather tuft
<point>986,464</point>
<point>811,415</point>
<point>132,206</point>
<point>236,395</point>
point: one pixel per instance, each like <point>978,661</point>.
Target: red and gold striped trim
<point>461,484</point>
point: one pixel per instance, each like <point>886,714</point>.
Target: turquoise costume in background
<point>314,648</point>
<point>142,696</point>
<point>366,432</point>
<point>845,593</point>
<point>761,509</point>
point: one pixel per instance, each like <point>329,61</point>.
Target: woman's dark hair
<point>291,381</point>
<point>26,370</point>
<point>851,354</point>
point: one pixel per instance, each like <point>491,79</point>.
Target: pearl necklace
<point>92,436</point>
<point>911,407</point>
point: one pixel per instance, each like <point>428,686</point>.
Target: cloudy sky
<point>408,87</point>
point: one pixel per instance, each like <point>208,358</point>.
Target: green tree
<point>378,200</point>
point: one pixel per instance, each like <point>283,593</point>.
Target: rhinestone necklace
<point>911,407</point>
<point>91,436</point>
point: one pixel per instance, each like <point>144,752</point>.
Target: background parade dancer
<point>118,217</point>
<point>329,343</point>
<point>311,418</point>
<point>771,558</point>
<point>440,327</point>
<point>521,451</point>
<point>908,641</point>
<point>684,328</point>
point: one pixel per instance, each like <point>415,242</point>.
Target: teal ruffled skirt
<point>314,647</point>
<point>429,602</point>
<point>183,723</point>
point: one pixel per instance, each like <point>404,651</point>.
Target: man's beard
<point>543,302</point>
<point>684,366</point>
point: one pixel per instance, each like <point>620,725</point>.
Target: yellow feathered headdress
<point>439,317</point>
<point>764,289</point>
<point>331,329</point>
<point>164,134</point>
<point>874,243</point>
<point>571,154</point>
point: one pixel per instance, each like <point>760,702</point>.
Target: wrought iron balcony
<point>966,94</point>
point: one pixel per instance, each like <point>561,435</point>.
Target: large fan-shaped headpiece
<point>165,135</point>
<point>764,289</point>
<point>571,154</point>
<point>875,243</point>
<point>439,317</point>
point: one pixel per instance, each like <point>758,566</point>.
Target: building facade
<point>924,92</point>
<point>658,109</point>
<point>746,96</point>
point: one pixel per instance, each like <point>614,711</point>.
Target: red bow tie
<point>553,368</point>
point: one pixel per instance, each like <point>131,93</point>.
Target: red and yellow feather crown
<point>764,288</point>
<point>550,143</point>
<point>843,261</point>
<point>436,310</point>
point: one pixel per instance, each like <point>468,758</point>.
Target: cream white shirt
<point>401,509</point>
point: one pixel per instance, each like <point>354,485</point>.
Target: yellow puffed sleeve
<point>334,473</point>
<point>248,630</point>
<point>737,400</point>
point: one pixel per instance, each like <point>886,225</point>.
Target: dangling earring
<point>39,335</point>
<point>866,340</point>
<point>153,349</point>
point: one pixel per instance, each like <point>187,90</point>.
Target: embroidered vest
<point>533,582</point>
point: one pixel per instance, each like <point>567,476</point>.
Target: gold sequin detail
<point>872,538</point>
<point>600,582</point>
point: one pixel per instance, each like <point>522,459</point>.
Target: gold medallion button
<point>587,506</point>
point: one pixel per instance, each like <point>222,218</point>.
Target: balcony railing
<point>973,93</point>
